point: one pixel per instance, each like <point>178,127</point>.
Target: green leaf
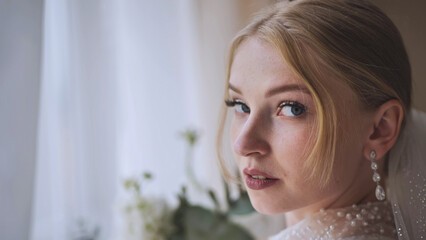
<point>132,184</point>
<point>200,223</point>
<point>213,197</point>
<point>147,175</point>
<point>178,217</point>
<point>177,237</point>
<point>241,206</point>
<point>191,136</point>
<point>227,192</point>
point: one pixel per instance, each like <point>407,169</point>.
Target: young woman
<point>322,126</point>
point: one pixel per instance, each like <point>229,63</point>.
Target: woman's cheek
<point>291,145</point>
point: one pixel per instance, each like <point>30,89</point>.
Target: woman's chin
<point>266,206</point>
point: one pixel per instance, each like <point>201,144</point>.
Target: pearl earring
<point>380,192</point>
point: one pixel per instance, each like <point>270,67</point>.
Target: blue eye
<point>240,107</point>
<point>292,109</point>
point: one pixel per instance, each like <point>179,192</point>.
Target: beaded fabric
<point>368,221</point>
<point>407,178</point>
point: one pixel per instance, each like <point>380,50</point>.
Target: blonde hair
<point>352,41</point>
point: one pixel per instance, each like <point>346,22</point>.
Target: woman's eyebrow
<point>287,88</point>
<point>276,90</point>
<point>233,88</point>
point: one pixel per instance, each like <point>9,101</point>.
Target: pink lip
<point>258,184</point>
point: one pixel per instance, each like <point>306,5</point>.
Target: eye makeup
<point>240,107</point>
<point>291,109</point>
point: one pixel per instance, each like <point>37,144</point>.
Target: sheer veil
<point>407,178</point>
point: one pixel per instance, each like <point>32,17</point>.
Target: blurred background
<point>94,92</point>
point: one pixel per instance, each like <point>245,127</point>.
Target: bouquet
<point>153,219</point>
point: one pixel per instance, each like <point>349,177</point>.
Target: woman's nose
<point>252,139</point>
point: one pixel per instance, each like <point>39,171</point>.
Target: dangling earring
<point>380,192</point>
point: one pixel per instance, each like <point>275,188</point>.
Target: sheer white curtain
<point>119,81</point>
<point>20,39</point>
<point>77,155</point>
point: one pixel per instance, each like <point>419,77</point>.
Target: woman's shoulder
<point>375,237</point>
<point>359,222</point>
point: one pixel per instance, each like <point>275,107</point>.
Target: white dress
<point>371,221</point>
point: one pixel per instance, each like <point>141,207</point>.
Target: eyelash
<point>293,104</point>
<point>233,103</point>
<point>281,106</point>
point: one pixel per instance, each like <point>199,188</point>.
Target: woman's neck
<point>361,191</point>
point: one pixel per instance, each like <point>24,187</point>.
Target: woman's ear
<point>384,129</point>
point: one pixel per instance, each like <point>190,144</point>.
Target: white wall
<point>410,19</point>
<point>20,38</point>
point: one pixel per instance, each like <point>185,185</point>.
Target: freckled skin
<point>273,143</point>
